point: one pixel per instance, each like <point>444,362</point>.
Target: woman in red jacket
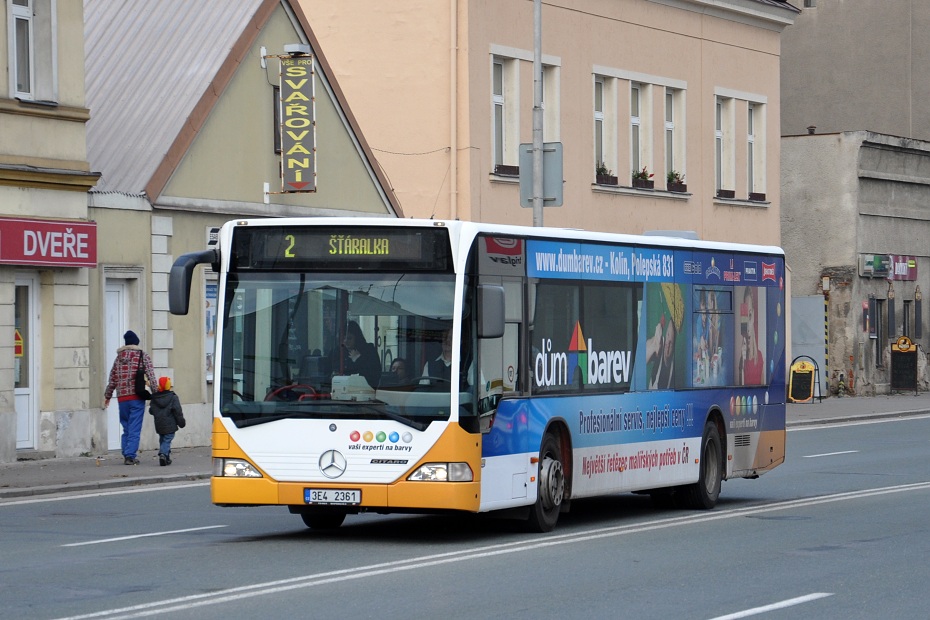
<point>123,382</point>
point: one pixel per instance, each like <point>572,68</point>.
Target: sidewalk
<point>87,473</point>
<point>46,476</point>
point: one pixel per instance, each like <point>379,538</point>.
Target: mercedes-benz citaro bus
<point>539,366</point>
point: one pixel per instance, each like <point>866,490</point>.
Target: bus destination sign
<point>330,248</point>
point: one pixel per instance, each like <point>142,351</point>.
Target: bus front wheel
<point>703,495</point>
<point>545,512</point>
<point>323,520</point>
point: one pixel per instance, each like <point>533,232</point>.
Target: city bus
<point>542,366</point>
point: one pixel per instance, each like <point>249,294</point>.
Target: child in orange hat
<point>166,407</point>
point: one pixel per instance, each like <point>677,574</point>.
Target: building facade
<point>47,240</point>
<point>861,69</point>
<point>445,93</point>
<point>184,136</point>
<point>183,147</point>
<point>856,190</point>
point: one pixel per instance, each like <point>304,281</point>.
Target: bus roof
<point>472,229</point>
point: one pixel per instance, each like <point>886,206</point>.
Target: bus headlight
<point>234,468</point>
<point>442,472</point>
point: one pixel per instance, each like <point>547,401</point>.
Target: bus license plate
<point>333,497</point>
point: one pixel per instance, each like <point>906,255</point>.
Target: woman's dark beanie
<point>130,338</point>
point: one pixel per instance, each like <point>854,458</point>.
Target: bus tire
<point>323,520</point>
<point>704,493</point>
<point>551,486</point>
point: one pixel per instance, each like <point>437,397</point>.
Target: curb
<point>859,417</point>
<point>99,485</point>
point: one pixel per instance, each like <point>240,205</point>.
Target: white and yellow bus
<point>542,366</point>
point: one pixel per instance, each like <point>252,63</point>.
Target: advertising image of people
<point>666,349</point>
<point>750,369</point>
<point>712,337</point>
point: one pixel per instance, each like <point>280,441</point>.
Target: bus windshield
<point>331,345</point>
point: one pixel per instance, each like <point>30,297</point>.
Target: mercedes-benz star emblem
<point>332,464</point>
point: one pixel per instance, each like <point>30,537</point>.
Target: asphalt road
<point>839,531</point>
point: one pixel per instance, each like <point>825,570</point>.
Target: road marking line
<point>814,456</point>
<point>193,601</point>
<point>148,535</point>
<point>780,605</point>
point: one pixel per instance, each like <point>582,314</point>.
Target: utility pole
<point>537,115</point>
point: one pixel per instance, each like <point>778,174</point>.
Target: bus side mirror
<point>179,280</point>
<point>490,311</point>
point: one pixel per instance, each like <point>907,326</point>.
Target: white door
<point>116,310</point>
<point>25,377</point>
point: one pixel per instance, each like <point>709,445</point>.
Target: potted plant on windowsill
<point>642,179</point>
<point>675,181</point>
<point>603,176</point>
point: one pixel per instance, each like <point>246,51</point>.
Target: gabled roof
<point>154,69</point>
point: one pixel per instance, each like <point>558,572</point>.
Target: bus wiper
<point>420,426</point>
<point>288,415</point>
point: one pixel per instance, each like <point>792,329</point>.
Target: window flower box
<point>603,175</point>
<point>675,182</point>
<point>757,196</point>
<point>642,179</point>
<point>726,193</point>
<point>507,171</point>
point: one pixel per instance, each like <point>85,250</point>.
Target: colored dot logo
<point>394,437</point>
<point>407,438</point>
<point>381,436</point>
<point>355,436</point>
<point>368,436</point>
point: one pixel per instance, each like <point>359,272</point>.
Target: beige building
<point>445,93</point>
<point>47,244</point>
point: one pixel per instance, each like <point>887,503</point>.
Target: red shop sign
<point>55,243</point>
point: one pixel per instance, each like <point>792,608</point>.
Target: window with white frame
<point>21,65</point>
<point>724,160</point>
<point>640,126</point>
<point>505,101</point>
<point>755,151</point>
<point>32,49</point>
<point>550,104</point>
<point>605,125</point>
<point>750,147</point>
<point>599,122</point>
<point>636,153</point>
<point>674,131</point>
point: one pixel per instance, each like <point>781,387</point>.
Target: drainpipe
<point>453,110</point>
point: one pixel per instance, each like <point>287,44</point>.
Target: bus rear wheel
<point>551,491</point>
<point>703,494</point>
<point>323,520</point>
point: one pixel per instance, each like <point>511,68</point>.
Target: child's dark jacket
<point>166,408</point>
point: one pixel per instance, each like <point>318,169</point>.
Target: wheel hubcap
<point>552,483</point>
